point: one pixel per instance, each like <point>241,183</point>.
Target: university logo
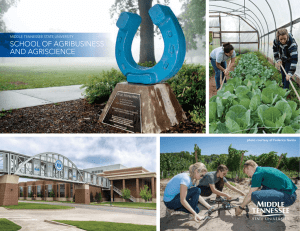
<point>58,165</point>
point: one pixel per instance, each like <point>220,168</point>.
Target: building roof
<point>128,173</point>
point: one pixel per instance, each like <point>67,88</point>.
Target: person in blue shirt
<point>285,51</point>
<point>276,188</point>
<point>218,59</point>
<point>181,193</point>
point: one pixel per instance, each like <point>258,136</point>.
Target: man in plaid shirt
<point>286,54</point>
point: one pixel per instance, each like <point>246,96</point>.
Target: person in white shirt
<point>218,58</point>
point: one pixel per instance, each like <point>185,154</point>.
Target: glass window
<point>49,188</point>
<point>62,190</point>
<point>29,191</point>
<point>21,191</point>
<point>39,191</point>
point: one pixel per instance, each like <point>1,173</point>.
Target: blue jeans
<point>192,198</point>
<point>217,71</point>
<point>272,195</point>
<point>286,66</point>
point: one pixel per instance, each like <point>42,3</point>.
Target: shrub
<point>125,193</point>
<point>189,87</point>
<point>30,194</point>
<point>98,197</point>
<point>99,88</point>
<point>52,194</point>
<point>21,194</point>
<point>147,64</point>
<point>146,193</point>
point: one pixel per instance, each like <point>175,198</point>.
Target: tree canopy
<point>193,21</point>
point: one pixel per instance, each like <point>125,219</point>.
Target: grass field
<point>14,77</point>
<point>107,226</point>
<point>8,225</point>
<point>131,204</point>
<point>24,205</point>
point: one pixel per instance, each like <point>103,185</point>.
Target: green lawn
<point>8,225</point>
<point>29,77</point>
<point>24,205</point>
<point>107,226</point>
<point>130,204</point>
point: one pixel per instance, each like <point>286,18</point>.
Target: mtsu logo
<point>58,165</point>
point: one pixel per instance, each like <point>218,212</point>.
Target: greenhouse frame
<point>252,24</point>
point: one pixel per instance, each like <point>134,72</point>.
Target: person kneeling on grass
<point>213,182</point>
<point>277,190</point>
<point>181,193</point>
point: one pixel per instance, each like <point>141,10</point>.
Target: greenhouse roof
<point>254,22</point>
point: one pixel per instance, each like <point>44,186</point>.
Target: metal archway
<point>48,166</point>
<point>44,160</point>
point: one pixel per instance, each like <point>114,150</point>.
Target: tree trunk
<point>146,32</point>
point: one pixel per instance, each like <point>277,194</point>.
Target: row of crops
<point>251,102</point>
<point>175,163</point>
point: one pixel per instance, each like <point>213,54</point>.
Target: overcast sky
<point>219,145</point>
<point>89,152</point>
<point>72,16</point>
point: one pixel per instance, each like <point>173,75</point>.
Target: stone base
<point>159,107</point>
<point>62,199</point>
<point>9,190</point>
<point>38,199</point>
<point>49,199</point>
<point>82,194</point>
<point>29,198</point>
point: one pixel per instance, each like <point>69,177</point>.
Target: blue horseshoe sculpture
<point>174,51</point>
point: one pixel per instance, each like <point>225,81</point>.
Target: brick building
<point>119,175</point>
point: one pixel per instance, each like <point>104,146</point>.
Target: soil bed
<point>76,116</point>
<point>227,220</point>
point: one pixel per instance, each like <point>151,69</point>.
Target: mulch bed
<point>76,116</point>
<point>188,126</point>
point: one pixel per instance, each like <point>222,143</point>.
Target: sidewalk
<point>34,220</point>
<point>15,99</point>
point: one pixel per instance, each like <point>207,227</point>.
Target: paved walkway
<point>147,212</point>
<point>15,99</point>
<point>32,220</point>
